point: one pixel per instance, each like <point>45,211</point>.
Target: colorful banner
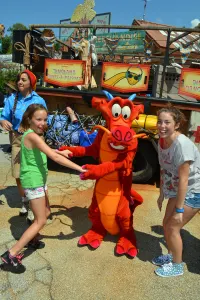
<point>102,19</point>
<point>99,19</point>
<point>127,42</point>
<point>63,72</point>
<point>190,83</point>
<point>125,77</point>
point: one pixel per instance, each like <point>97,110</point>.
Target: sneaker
<point>30,216</point>
<point>170,270</point>
<point>14,261</point>
<point>49,220</point>
<point>23,210</point>
<point>162,259</point>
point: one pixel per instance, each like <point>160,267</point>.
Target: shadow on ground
<point>18,225</point>
<point>6,148</point>
<point>149,245</point>
<point>12,196</point>
<point>80,222</point>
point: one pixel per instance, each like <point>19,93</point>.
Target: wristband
<point>179,210</point>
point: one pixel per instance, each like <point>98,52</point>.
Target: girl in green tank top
<point>33,176</point>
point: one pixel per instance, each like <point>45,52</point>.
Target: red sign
<point>197,135</point>
<point>190,83</point>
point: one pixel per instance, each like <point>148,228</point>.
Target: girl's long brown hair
<point>15,105</point>
<point>31,109</point>
<point>177,115</point>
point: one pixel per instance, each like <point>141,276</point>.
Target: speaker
<point>18,36</point>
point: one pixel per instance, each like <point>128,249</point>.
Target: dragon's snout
<point>122,134</point>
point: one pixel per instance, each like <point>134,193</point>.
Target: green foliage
<point>7,40</point>
<point>17,26</point>
<point>5,76</point>
<point>6,45</point>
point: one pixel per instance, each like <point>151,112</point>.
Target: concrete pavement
<point>63,271</point>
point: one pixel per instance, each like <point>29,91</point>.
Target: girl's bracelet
<point>179,210</point>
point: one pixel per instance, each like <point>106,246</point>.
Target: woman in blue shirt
<point>11,117</point>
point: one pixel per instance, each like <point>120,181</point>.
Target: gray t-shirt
<point>181,150</point>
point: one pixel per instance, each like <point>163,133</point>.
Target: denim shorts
<point>35,193</point>
<point>193,201</point>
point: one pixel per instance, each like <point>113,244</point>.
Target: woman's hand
<point>6,125</point>
<point>160,202</point>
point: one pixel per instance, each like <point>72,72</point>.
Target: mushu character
<point>113,199</point>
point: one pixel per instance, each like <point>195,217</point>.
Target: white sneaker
<point>30,217</point>
<point>23,210</point>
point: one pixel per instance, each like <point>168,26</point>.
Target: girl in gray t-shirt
<point>179,161</point>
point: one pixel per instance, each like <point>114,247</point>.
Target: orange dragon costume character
<point>113,200</point>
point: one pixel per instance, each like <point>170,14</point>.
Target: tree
<point>17,26</point>
<point>5,76</point>
<point>6,45</point>
<point>7,40</point>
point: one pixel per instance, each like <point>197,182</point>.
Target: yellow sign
<point>190,83</point>
<point>63,72</point>
<point>125,77</point>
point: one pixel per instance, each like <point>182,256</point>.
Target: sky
<point>173,12</point>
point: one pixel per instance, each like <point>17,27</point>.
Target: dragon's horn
<point>132,97</point>
<point>108,95</point>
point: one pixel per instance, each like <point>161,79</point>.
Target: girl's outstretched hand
<point>160,202</point>
<point>65,153</point>
<point>82,170</point>
<point>177,218</point>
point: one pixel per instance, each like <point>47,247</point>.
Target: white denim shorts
<point>193,201</point>
<point>35,193</point>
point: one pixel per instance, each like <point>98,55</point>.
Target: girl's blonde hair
<point>31,109</point>
<point>177,115</point>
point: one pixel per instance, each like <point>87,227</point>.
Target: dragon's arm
<point>79,151</point>
<point>98,171</point>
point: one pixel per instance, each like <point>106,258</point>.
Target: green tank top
<point>33,166</point>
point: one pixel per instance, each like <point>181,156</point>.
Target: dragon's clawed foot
<point>91,238</point>
<point>125,246</point>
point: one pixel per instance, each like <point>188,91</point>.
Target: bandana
<point>32,78</point>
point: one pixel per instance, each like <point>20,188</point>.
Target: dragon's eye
<point>126,112</point>
<point>116,110</point>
